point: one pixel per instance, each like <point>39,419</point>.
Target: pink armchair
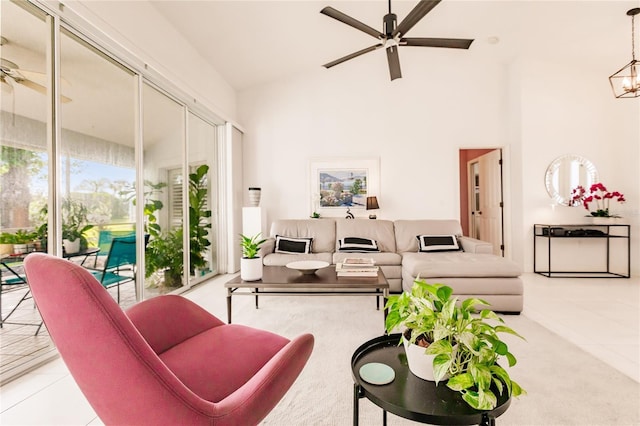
<point>166,361</point>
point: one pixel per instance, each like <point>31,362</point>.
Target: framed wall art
<point>338,185</point>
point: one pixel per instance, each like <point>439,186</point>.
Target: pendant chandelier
<point>626,82</point>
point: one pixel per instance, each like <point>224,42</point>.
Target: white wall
<point>571,111</point>
<point>417,124</point>
<point>157,44</point>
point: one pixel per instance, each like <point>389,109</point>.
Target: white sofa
<point>472,272</point>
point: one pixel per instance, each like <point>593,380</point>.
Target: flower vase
<point>254,197</point>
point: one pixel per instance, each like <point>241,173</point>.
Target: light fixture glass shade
<point>626,82</point>
<point>372,203</point>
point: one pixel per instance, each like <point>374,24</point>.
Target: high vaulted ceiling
<point>255,42</point>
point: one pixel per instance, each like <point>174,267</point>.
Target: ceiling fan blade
<point>414,16</point>
<point>346,19</point>
<point>353,55</point>
<point>39,88</point>
<point>394,62</point>
<point>453,43</point>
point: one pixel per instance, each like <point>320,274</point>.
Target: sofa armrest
<point>473,245</point>
<point>268,247</point>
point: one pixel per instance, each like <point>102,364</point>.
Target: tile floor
<point>602,316</point>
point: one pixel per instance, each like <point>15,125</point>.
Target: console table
<point>606,234</point>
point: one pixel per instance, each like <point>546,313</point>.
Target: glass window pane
<point>163,129</point>
<point>202,196</point>
<point>97,161</point>
<point>23,123</point>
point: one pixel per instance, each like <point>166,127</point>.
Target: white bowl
<point>307,267</point>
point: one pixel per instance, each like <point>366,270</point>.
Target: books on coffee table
<point>357,267</point>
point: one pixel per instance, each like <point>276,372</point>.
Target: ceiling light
<point>626,82</point>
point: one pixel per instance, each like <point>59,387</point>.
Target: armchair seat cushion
<point>458,264</point>
<point>237,360</point>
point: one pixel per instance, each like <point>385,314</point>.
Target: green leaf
<point>512,359</point>
<point>499,385</point>
<point>444,293</point>
<point>439,347</point>
<point>505,329</point>
<point>460,382</point>
<point>501,348</point>
<point>516,390</point>
<point>441,364</point>
<point>471,398</point>
<point>486,400</point>
<point>481,375</point>
<point>502,374</point>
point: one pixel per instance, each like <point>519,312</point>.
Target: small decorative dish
<point>307,267</point>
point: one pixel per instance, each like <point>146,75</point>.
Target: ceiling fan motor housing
<point>389,22</point>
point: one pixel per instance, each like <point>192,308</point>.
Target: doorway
<point>481,196</point>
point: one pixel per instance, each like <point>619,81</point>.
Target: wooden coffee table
<point>282,281</point>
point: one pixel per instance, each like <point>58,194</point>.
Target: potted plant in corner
<point>464,343</point>
<point>251,263</point>
<point>74,225</point>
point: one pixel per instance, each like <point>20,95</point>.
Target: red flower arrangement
<point>599,195</point>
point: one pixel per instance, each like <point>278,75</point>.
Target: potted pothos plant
<point>463,340</point>
<point>251,262</point>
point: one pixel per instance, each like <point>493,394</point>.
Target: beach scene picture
<point>343,187</point>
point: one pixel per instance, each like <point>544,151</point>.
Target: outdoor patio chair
<point>165,361</point>
<point>120,266</point>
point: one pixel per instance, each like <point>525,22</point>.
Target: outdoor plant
<point>199,217</point>
<point>151,205</point>
<point>165,253</point>
<point>465,341</point>
<point>597,200</point>
<point>165,249</point>
<point>251,245</point>
<point>23,236</point>
<point>75,221</point>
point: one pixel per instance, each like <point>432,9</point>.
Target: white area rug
<point>565,385</point>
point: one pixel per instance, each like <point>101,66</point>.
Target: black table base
<point>409,396</point>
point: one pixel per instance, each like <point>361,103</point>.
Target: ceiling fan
<point>393,35</point>
<point>11,72</point>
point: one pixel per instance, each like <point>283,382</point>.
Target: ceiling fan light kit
<point>393,35</point>
<point>625,83</point>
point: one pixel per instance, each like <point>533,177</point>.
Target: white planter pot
<point>20,248</point>
<point>420,364</point>
<point>599,220</point>
<point>251,269</point>
<point>71,246</point>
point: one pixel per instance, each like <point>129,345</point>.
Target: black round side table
<point>409,396</point>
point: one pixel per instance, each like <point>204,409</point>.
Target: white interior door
<point>489,216</point>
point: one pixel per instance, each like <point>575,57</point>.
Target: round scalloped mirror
<point>566,173</point>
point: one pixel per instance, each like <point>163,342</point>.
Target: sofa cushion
<point>406,231</point>
<point>357,245</point>
<point>323,232</point>
<point>379,230</point>
<point>458,264</point>
<point>293,245</point>
<point>429,243</point>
